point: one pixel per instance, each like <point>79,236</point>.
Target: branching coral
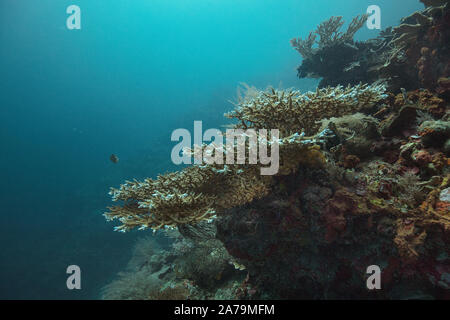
<point>329,34</point>
<point>200,192</point>
<point>291,111</point>
<point>335,57</point>
<point>412,55</point>
<point>190,195</point>
<point>305,47</point>
<point>292,232</point>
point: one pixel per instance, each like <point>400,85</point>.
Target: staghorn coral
<point>187,196</point>
<point>200,192</point>
<point>305,47</point>
<point>291,111</point>
<point>329,35</point>
<point>336,57</point>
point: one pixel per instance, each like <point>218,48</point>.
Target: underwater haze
<point>133,73</point>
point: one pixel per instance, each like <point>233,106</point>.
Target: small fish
<point>114,158</point>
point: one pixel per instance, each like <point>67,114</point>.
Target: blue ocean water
<point>135,71</point>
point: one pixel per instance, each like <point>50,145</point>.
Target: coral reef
<point>329,35</point>
<point>204,190</point>
<point>137,281</point>
<point>419,49</point>
<point>336,57</point>
<point>194,265</point>
<point>434,133</point>
<point>356,133</point>
<point>412,55</point>
<point>291,111</point>
<point>364,179</point>
<point>316,240</point>
<point>183,197</point>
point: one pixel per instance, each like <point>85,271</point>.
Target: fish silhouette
<point>114,158</point>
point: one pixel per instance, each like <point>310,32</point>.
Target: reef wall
<point>364,180</point>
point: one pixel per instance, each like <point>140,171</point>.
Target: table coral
<point>187,196</point>
<point>200,192</point>
<point>291,111</point>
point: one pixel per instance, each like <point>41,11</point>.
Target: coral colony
<point>199,192</point>
<point>241,147</point>
<point>360,177</point>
